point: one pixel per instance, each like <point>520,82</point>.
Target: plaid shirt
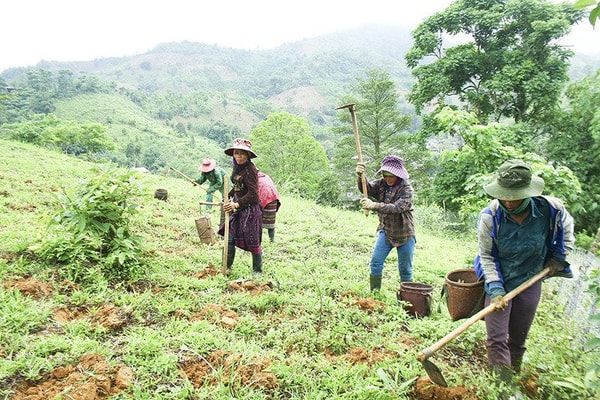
<point>394,207</point>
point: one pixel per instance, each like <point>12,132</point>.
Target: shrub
<point>91,232</point>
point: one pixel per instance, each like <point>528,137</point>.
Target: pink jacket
<point>267,190</point>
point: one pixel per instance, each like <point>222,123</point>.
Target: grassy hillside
<point>306,78</point>
<point>128,124</point>
<point>308,328</point>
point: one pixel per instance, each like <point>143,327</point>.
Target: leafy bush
<point>91,235</point>
<point>592,381</point>
<point>69,136</point>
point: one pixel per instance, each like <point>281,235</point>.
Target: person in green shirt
<point>209,172</point>
<point>519,233</point>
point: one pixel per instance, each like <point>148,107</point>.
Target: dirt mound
<point>107,316</point>
<point>365,304</point>
<point>425,389</point>
<point>209,271</point>
<point>91,379</point>
<point>360,355</point>
<point>244,285</point>
<point>31,287</point>
<point>217,314</point>
<point>227,367</point>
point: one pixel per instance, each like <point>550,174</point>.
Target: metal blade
<point>434,373</point>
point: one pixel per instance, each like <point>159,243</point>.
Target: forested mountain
<point>304,78</point>
<point>180,102</point>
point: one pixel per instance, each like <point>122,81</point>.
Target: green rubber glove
<point>497,297</point>
<point>556,265</point>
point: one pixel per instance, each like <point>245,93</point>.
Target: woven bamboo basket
<point>465,293</point>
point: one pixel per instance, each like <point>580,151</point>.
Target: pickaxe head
<point>350,106</point>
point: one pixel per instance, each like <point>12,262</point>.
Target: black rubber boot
<point>271,234</point>
<point>375,282</point>
<point>230,253</point>
<point>515,363</point>
<point>257,263</point>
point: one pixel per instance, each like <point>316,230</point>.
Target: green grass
<point>126,123</point>
<point>301,332</point>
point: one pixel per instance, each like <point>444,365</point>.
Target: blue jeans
<point>405,257</point>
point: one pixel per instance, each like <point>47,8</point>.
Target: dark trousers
<point>507,329</point>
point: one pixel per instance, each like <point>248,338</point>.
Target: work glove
<point>497,298</point>
<point>499,302</point>
<point>360,168</point>
<point>555,265</point>
<point>368,204</point>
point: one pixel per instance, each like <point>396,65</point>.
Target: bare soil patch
<point>229,368</point>
<point>91,379</point>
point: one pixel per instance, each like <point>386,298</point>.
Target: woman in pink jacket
<point>269,201</point>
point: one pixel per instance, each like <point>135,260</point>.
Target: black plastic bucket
<point>161,194</point>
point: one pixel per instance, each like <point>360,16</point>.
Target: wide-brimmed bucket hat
<point>241,144</point>
<point>208,164</point>
<point>394,165</point>
<point>514,181</point>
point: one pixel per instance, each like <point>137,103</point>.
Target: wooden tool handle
<point>226,235</point>
<point>487,310</point>
<point>359,152</point>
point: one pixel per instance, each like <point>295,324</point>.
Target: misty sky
<point>78,30</point>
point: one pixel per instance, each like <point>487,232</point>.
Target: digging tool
<point>196,184</point>
<point>185,176</point>
<point>209,203</point>
<point>432,370</point>
<point>226,234</point>
<point>352,108</point>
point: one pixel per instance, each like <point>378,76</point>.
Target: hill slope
<point>159,146</point>
<point>311,74</point>
<point>307,328</point>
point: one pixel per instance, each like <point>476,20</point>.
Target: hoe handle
<point>425,354</point>
<point>226,235</point>
<point>185,176</point>
<point>352,108</point>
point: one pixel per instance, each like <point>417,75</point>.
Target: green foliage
<point>67,136</point>
<point>40,89</point>
<point>458,183</point>
<point>508,67</point>
<point>594,12</point>
<point>219,132</point>
<point>170,104</point>
<point>140,140</point>
<point>290,154</point>
<point>589,383</point>
<point>91,234</point>
<point>382,129</point>
<point>577,128</point>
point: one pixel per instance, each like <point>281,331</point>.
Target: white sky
<point>79,30</point>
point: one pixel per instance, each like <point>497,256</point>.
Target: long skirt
<point>245,226</point>
<point>268,215</point>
